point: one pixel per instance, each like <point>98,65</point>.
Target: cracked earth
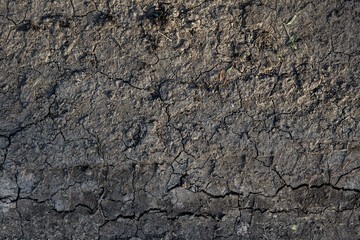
<point>179,120</point>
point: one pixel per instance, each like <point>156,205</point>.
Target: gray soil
<point>179,119</point>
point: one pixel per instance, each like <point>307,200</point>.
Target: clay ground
<point>179,119</point>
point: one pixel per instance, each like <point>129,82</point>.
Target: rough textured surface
<point>184,120</point>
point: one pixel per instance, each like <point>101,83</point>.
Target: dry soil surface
<point>144,119</point>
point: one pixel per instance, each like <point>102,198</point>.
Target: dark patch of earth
<point>179,120</point>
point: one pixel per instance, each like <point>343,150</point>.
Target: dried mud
<point>179,120</point>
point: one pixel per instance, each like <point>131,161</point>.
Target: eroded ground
<point>179,120</point>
